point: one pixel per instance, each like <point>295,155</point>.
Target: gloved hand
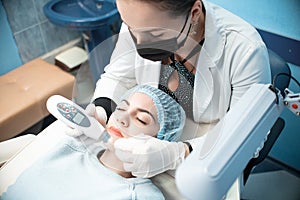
<point>145,156</point>
<point>92,145</point>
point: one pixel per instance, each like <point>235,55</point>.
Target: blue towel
<point>69,171</point>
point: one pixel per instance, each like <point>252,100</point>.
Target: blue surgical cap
<point>171,116</point>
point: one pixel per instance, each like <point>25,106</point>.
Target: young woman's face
<point>133,116</point>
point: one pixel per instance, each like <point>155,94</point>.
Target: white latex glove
<point>94,146</point>
<point>145,156</point>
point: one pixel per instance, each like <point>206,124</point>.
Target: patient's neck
<point>111,161</point>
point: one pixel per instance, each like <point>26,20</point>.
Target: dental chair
<point>24,153</point>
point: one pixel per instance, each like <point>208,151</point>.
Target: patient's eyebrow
<point>140,109</point>
<point>127,102</point>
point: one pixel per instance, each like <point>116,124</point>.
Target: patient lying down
<point>71,171</point>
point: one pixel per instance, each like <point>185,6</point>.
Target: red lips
<point>115,131</point>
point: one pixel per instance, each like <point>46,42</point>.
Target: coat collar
<point>210,55</point>
<point>215,37</point>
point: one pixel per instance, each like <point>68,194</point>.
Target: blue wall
<point>27,34</point>
<point>9,54</point>
<point>275,16</point>
<point>281,19</point>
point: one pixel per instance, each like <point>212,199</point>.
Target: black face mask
<point>159,50</point>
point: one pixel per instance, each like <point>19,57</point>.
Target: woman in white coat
<point>202,55</point>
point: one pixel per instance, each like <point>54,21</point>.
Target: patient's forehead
<point>144,101</point>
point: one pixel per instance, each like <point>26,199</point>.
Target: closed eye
<point>123,105</point>
<point>120,109</point>
<point>141,121</point>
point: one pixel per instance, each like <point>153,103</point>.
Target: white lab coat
<point>232,59</point>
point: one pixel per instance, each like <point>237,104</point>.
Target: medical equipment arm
<point>210,170</point>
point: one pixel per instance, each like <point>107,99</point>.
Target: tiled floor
<point>271,181</point>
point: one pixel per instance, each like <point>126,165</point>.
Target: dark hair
<point>175,7</point>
